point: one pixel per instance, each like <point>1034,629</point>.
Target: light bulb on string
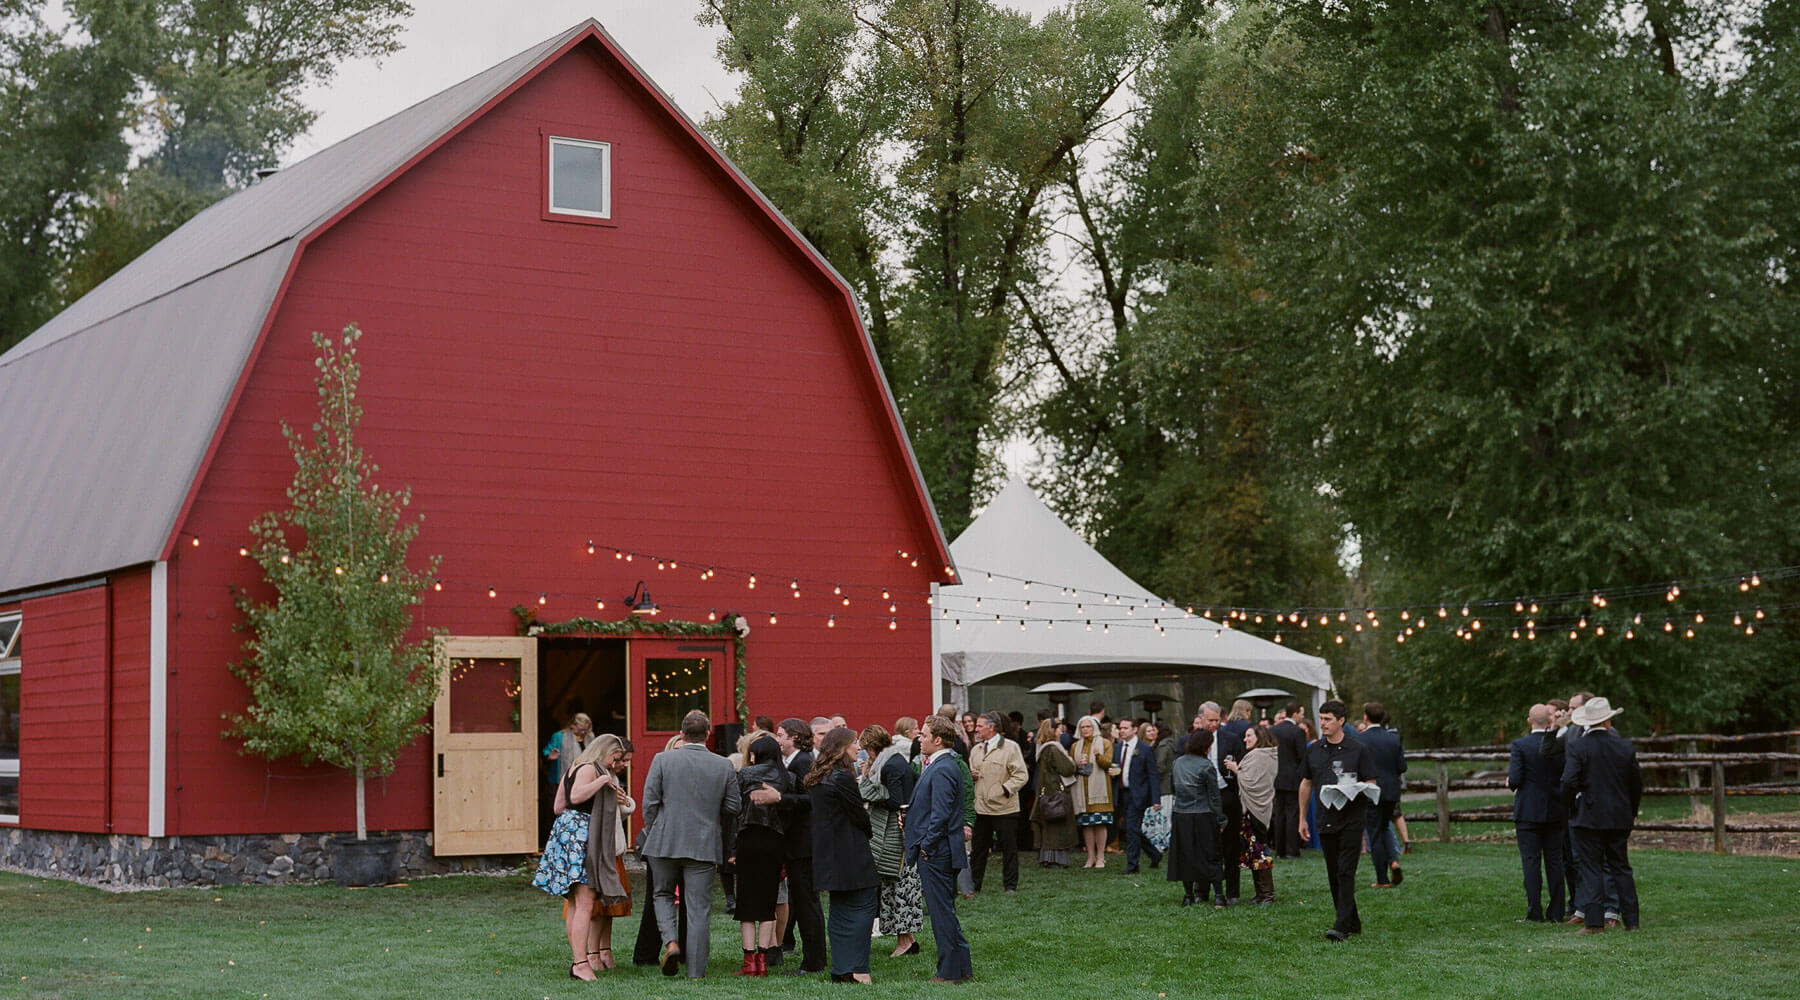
<point>1340,640</point>
<point>1631,633</point>
<point>1405,615</point>
<point>384,578</point>
<point>847,601</point>
<point>618,553</point>
<point>339,570</point>
<point>831,622</point>
<point>243,550</point>
<point>1359,626</point>
<point>1755,579</point>
<point>752,582</point>
<point>493,593</point>
<point>1689,633</point>
<point>599,605</point>
<point>837,589</point>
<point>959,624</point>
<point>661,565</point>
<point>1278,638</point>
<point>1637,619</point>
<point>1749,629</point>
<point>1515,633</point>
<point>1021,624</point>
<point>1573,635</point>
<point>1582,623</point>
<point>1442,611</point>
<point>712,614</point>
<point>437,585</point>
<point>1518,607</point>
<point>893,609</point>
<point>1530,636</point>
<point>1759,614</point>
<point>892,624</point>
<point>1599,630</point>
<point>772,618</point>
<point>284,558</point>
<point>1674,591</point>
<point>1699,619</point>
<point>1090,625</point>
<point>1668,626</point>
<point>884,593</point>
<point>1744,584</point>
<point>1465,611</point>
<point>543,599</point>
<point>1534,607</point>
<point>1476,624</point>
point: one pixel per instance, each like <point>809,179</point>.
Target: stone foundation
<point>123,861</point>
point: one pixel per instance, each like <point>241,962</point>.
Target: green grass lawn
<point>1712,927</point>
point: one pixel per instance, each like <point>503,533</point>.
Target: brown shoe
<point>1591,930</point>
<point>1576,920</point>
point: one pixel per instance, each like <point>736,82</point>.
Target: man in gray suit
<point>687,791</point>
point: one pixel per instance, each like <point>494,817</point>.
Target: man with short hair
<point>1603,787</point>
<point>1337,759</point>
<point>1556,750</point>
<point>1290,748</point>
<point>1139,789</point>
<point>1390,763</point>
<point>1539,822</point>
<point>934,844</point>
<point>998,771</point>
<point>820,726</point>
<point>1230,743</point>
<point>686,792</point>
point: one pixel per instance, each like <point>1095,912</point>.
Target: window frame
<point>10,666</point>
<point>551,211</point>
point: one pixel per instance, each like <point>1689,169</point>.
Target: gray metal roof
<point>106,411</point>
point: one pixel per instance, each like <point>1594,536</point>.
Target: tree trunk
<point>362,819</point>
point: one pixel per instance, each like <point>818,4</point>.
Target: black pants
<point>1284,824</point>
<point>1603,857</point>
<point>1231,845</point>
<point>805,915</point>
<point>1007,828</point>
<point>1541,855</point>
<point>1342,850</point>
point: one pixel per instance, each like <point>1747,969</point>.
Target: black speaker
<point>726,736</point>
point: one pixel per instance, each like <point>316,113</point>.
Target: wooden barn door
<point>484,743</point>
<point>669,678</point>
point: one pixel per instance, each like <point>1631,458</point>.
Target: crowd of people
<point>1577,789</point>
<point>893,825</point>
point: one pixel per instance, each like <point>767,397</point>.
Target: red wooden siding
<point>684,382</point>
<point>131,701</point>
<point>62,707</point>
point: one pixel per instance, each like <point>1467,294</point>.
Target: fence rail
<point>1693,762</point>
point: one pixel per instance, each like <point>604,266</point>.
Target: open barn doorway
<point>585,675</point>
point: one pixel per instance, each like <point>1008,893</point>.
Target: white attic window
<point>580,178</point>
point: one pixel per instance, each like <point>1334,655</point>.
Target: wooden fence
<point>1690,764</point>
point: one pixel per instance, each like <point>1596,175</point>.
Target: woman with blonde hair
<point>1053,814</point>
<point>583,857</point>
<point>566,744</point>
<point>1093,803</point>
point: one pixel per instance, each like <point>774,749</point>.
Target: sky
<point>448,41</point>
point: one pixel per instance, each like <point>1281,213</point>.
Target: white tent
<point>1035,596</point>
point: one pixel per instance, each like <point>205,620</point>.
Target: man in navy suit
<point>1538,818</point>
<point>1138,791</point>
<point>934,842</point>
<point>1390,763</point>
<point>1602,774</point>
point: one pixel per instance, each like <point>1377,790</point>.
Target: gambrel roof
<point>112,409</point>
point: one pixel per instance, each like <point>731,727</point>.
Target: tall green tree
<point>208,92</point>
<point>331,671</point>
<point>915,142</point>
<point>1535,292</point>
<point>65,103</point>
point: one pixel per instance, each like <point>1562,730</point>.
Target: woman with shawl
<point>583,860</point>
<point>1093,802</point>
<point>1056,835</point>
<point>886,782</point>
<point>1256,787</point>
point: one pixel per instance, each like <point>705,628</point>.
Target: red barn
<point>595,353</point>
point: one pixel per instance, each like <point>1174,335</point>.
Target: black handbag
<point>1053,806</point>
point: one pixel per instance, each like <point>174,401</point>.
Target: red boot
<point>762,964</point>
<point>749,968</point>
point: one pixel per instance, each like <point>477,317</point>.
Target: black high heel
<point>572,966</point>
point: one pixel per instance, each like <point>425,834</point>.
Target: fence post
<point>1693,780</point>
<point>1443,801</point>
<point>1718,789</point>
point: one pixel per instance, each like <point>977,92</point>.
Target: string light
<point>493,593</point>
<point>590,546</point>
<point>831,622</point>
<point>384,578</point>
<point>892,624</point>
<point>243,550</point>
<point>543,599</point>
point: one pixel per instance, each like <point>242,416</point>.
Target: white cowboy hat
<point>1593,712</point>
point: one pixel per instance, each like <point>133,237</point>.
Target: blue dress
<point>565,853</point>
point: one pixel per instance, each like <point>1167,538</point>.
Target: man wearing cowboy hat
<point>1602,787</point>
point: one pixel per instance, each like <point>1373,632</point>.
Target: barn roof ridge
<point>165,411</point>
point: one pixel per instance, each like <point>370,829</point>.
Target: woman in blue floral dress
<point>581,861</point>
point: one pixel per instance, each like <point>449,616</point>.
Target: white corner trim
<point>159,698</point>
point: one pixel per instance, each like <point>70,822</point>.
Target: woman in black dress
<point>1197,821</point>
<point>843,865</point>
<point>755,849</point>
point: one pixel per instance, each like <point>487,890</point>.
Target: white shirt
<point>789,759</point>
<point>993,744</point>
<point>1125,761</point>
